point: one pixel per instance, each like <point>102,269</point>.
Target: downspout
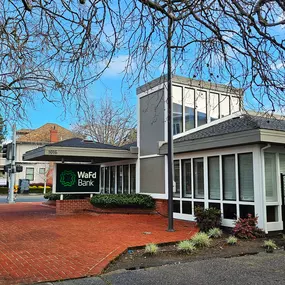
<point>263,185</point>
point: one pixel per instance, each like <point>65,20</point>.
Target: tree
<point>60,47</point>
<point>108,122</point>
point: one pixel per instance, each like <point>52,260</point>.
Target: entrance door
<point>283,199</point>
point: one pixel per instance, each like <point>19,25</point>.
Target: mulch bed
<point>136,258</point>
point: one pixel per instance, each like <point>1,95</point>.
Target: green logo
<point>67,178</point>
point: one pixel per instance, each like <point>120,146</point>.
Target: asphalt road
<point>24,198</point>
<point>264,268</point>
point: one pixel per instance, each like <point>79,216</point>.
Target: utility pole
<point>13,168</point>
<point>169,122</point>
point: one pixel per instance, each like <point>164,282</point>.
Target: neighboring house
<point>223,157</point>
<point>27,140</point>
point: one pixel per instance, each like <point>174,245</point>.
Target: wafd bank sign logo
<point>72,178</point>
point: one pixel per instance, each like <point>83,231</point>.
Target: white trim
<point>121,162</point>
<point>152,90</point>
<point>156,196</point>
<point>54,178</point>
<point>151,156</point>
<point>166,176</point>
<point>205,126</point>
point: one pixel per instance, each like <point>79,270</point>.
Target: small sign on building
<point>77,178</point>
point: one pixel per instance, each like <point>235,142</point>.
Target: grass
<point>151,248</point>
<point>186,246</point>
<point>215,233</point>
<point>231,240</point>
<point>201,239</point>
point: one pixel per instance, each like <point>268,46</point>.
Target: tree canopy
<point>55,49</point>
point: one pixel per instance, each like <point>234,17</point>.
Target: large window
<point>214,106</point>
<point>112,179</point>
<point>133,178</point>
<point>224,105</point>
<point>118,179</point>
<point>187,188</point>
<point>229,177</point>
<point>189,100</point>
<point>198,164</point>
<point>214,177</point>
<point>177,110</point>
<point>270,177</point>
<point>201,104</point>
<point>42,171</point>
<point>126,179</point>
<point>245,165</point>
<point>177,178</point>
<point>30,173</point>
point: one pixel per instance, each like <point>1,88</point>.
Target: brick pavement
<point>36,245</point>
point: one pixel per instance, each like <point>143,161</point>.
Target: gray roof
<point>238,124</point>
<point>80,143</point>
<point>129,145</point>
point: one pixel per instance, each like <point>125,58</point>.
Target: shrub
<point>201,240</point>
<point>269,245</point>
<point>231,240</point>
<point>215,233</point>
<point>151,248</point>
<point>207,219</point>
<point>123,200</point>
<point>246,228</point>
<point>53,197</point>
<point>186,246</point>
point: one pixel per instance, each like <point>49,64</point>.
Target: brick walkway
<point>36,245</point>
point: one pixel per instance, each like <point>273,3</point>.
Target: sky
<point>110,84</point>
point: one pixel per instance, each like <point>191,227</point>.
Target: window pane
<point>198,177</point>
<point>177,178</point>
<point>42,171</point>
<point>201,108</point>
<point>245,177</point>
<point>214,106</point>
<point>229,177</point>
<point>112,179</point>
<point>119,179</point>
<point>30,173</point>
<point>176,206</point>
<point>235,104</point>
<point>215,205</point>
<point>282,163</point>
<point>187,191</point>
<point>272,213</point>
<point>214,177</point>
<point>177,110</point>
<point>270,177</point>
<point>126,179</point>
<point>244,210</point>
<point>133,178</point>
<point>189,109</point>
<point>102,179</point>
<point>230,211</point>
<point>107,180</point>
<point>187,207</point>
<point>224,105</point>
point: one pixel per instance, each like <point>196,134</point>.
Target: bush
<point>201,240</point>
<point>151,248</point>
<point>231,240</point>
<point>246,228</point>
<point>54,197</point>
<point>186,246</point>
<point>207,219</point>
<point>123,200</point>
<point>215,233</point>
<point>269,245</point>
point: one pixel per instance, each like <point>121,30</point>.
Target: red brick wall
<point>161,206</point>
<point>72,206</point>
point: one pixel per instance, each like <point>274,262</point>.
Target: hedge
<point>54,197</point>
<point>123,201</point>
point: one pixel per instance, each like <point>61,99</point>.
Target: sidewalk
<point>36,245</point>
